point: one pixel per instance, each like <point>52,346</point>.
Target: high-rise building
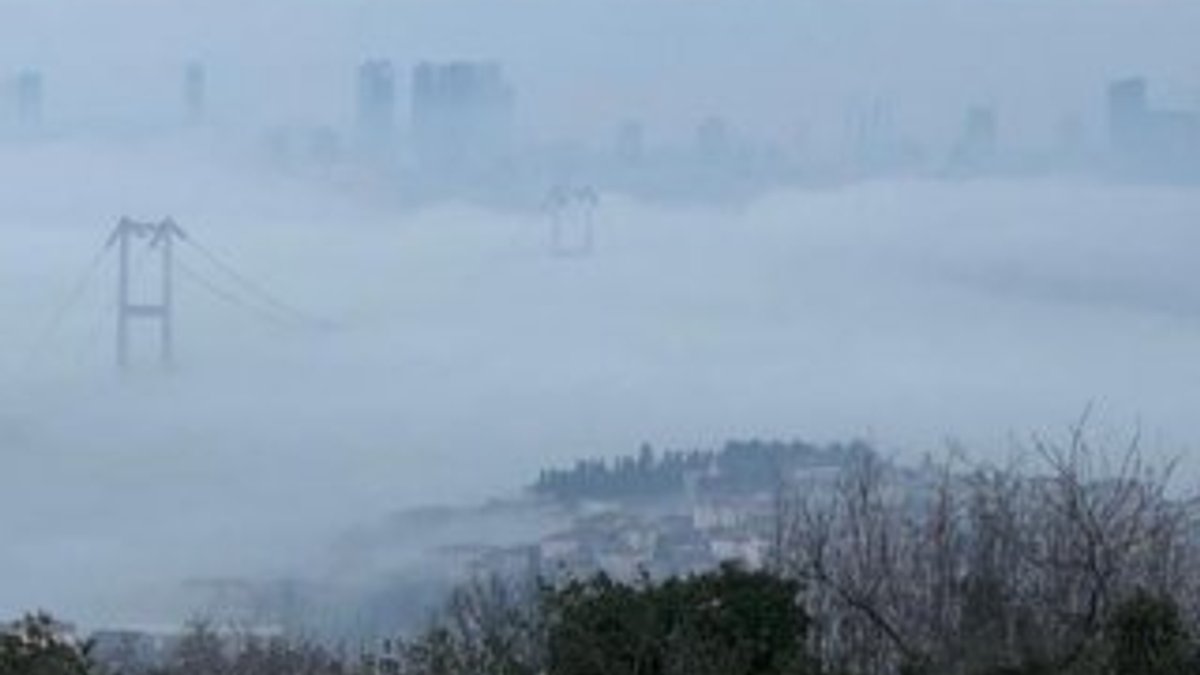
<point>30,98</point>
<point>195,92</point>
<point>630,143</point>
<point>980,130</point>
<point>714,141</point>
<point>1128,113</point>
<point>1149,140</point>
<point>976,148</point>
<point>377,102</point>
<point>462,114</point>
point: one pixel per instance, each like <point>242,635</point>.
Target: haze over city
<point>654,221</point>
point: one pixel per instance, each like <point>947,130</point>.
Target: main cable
<point>72,298</point>
<point>251,287</point>
<point>207,285</point>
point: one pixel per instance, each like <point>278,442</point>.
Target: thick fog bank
<point>455,355</point>
<point>339,357</point>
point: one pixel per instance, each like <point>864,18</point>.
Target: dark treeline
<point>1082,562</point>
<point>729,621</point>
<point>39,645</point>
<point>739,466</point>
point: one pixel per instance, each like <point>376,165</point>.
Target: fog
<point>450,356</point>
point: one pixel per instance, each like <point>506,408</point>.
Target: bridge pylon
<point>160,238</point>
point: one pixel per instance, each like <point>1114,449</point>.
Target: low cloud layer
<point>461,356</point>
<point>452,355</point>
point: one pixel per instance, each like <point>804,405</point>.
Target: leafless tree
<point>951,567</point>
<point>491,625</point>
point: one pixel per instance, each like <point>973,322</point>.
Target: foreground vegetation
<point>1076,562</point>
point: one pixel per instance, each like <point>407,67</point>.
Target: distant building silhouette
<point>195,92</point>
<point>875,143</point>
<point>980,130</point>
<point>630,145</point>
<point>1128,111</point>
<point>462,114</point>
<point>714,141</point>
<point>30,103</point>
<point>377,104</point>
<point>977,146</point>
<point>870,126</point>
<point>1165,143</point>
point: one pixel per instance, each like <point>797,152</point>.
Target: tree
<point>1146,636</point>
<point>987,569</point>
<point>204,650</point>
<point>489,626</point>
<point>729,621</point>
<point>201,651</point>
<point>39,645</point>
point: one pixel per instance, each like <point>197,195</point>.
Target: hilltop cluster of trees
<point>646,475</point>
<point>739,466</point>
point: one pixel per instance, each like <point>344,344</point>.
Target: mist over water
<point>463,358</point>
<point>456,356</point>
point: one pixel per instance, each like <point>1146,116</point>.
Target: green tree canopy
<point>1147,636</point>
<point>38,645</point>
<point>730,621</point>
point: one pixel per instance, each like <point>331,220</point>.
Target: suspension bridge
<point>153,257</point>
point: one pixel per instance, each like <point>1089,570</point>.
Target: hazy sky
<point>772,67</point>
<point>463,357</point>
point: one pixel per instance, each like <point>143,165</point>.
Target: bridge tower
<point>159,238</point>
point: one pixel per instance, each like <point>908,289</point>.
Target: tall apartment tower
<point>980,131</point>
<point>376,102</point>
<point>195,92</point>
<point>462,114</point>
<point>1128,113</point>
<point>977,146</point>
<point>629,146</point>
<point>714,140</point>
<point>30,101</point>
